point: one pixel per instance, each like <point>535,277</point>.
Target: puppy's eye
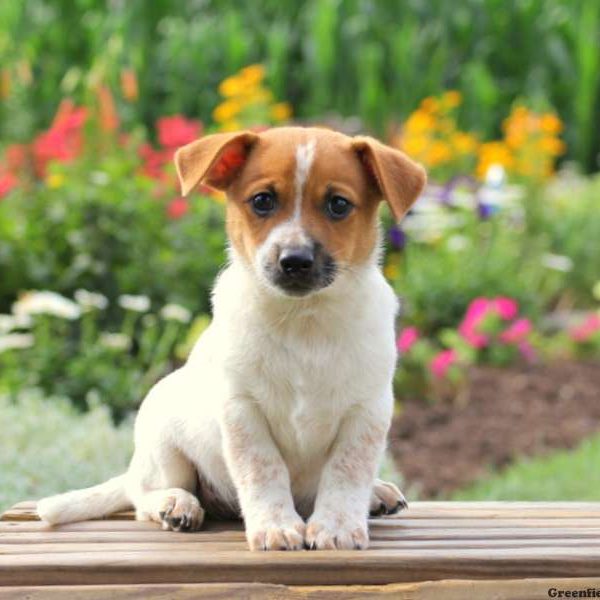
<point>338,207</point>
<point>263,203</point>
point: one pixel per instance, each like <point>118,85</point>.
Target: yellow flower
<point>439,152</point>
<point>232,86</point>
<point>452,98</point>
<point>218,196</point>
<point>4,84</point>
<point>281,111</point>
<point>464,143</point>
<point>430,104</point>
<point>231,126</point>
<point>493,153</point>
<point>415,145</point>
<point>255,95</point>
<point>552,145</point>
<point>253,74</point>
<point>419,121</point>
<point>55,180</point>
<point>550,123</point>
<point>226,111</point>
<point>391,270</point>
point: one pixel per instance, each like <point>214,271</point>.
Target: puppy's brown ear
<point>214,159</point>
<point>398,178</point>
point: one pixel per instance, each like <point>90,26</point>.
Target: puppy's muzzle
<point>303,269</point>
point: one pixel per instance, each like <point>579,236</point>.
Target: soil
<point>510,413</point>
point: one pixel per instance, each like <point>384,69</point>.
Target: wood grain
<point>521,589</point>
<point>453,545</point>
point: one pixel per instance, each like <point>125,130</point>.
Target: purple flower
<point>485,210</point>
<point>397,237</point>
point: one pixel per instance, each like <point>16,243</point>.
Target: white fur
<point>282,408</point>
<point>305,377</point>
<point>305,155</point>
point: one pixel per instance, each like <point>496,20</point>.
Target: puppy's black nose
<point>297,262</point>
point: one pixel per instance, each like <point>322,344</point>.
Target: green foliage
<point>105,229</point>
<point>563,475</point>
<point>46,447</point>
<point>377,59</point>
<point>77,351</point>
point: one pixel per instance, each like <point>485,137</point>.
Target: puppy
<point>282,410</point>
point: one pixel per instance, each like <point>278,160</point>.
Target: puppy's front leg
<point>261,479</point>
<point>342,505</point>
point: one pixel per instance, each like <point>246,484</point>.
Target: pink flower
<point>584,331</point>
<point>441,362</point>
<point>7,182</point>
<point>177,131</point>
<point>507,308</point>
<point>407,339</point>
<point>177,208</point>
<point>527,351</point>
<point>516,332</point>
<point>476,312</point>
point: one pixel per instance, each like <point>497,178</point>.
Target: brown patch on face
<point>336,169</point>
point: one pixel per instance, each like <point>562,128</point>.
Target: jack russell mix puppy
<point>282,410</point>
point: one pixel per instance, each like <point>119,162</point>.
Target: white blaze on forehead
<point>305,154</point>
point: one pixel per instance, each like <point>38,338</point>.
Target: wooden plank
<point>417,510</point>
<point>158,536</point>
<point>296,568</point>
<point>86,546</point>
<point>396,526</point>
<point>522,589</point>
<point>24,511</point>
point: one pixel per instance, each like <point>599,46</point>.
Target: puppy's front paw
<point>287,535</point>
<point>386,499</point>
<point>181,511</point>
<point>336,533</point>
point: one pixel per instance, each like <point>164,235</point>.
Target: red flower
<point>7,182</point>
<point>63,141</point>
<point>16,157</point>
<point>177,208</point>
<point>154,161</point>
<point>177,131</point>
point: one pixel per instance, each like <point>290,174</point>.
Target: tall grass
<point>373,58</point>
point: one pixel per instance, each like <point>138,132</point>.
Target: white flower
<point>46,303</point>
<point>99,178</point>
<point>88,300</point>
<point>15,341</point>
<point>134,303</point>
<point>12,322</point>
<point>557,262</point>
<point>115,341</point>
<point>457,242</point>
<point>176,312</point>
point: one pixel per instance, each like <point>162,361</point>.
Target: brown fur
<point>361,169</point>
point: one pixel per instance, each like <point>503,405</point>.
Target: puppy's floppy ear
<point>398,178</point>
<point>214,159</point>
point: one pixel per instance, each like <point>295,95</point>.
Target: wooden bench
<point>434,549</point>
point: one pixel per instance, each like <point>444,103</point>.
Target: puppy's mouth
<point>301,270</point>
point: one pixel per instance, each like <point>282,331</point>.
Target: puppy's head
<point>302,202</point>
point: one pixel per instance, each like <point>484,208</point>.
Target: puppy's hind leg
<point>162,489</point>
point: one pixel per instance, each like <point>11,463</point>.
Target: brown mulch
<point>510,413</point>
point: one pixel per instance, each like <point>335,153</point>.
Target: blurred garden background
<point>105,271</point>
